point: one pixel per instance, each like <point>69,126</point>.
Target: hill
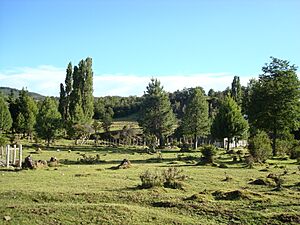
<point>6,91</point>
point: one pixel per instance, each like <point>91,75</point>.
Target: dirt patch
<point>260,181</point>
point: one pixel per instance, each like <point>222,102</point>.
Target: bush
<point>89,159</point>
<point>295,152</point>
<point>169,178</point>
<point>173,178</point>
<point>185,147</point>
<point>208,153</point>
<point>151,179</point>
<point>260,147</point>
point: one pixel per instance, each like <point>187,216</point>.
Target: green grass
<point>75,193</point>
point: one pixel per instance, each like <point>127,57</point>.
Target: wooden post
<point>7,155</point>
<point>14,157</point>
<point>20,155</point>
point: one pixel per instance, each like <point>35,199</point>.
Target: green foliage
<point>151,141</point>
<point>48,120</point>
<point>169,178</point>
<point>294,151</point>
<point>208,153</point>
<point>229,122</point>
<point>156,115</point>
<point>173,178</point>
<point>236,90</point>
<point>25,113</point>
<point>151,179</point>
<point>274,100</point>
<point>260,147</point>
<point>81,132</point>
<point>89,159</point>
<point>195,121</point>
<point>5,117</point>
<point>3,140</point>
<point>122,106</point>
<point>76,103</point>
<point>107,119</point>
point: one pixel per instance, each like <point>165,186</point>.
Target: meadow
<point>84,189</point>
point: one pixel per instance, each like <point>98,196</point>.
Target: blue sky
<point>184,43</point>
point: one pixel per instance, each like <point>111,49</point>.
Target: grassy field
<point>86,193</point>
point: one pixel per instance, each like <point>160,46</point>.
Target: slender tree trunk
<point>161,141</point>
<point>274,140</point>
<point>195,142</point>
<point>228,144</point>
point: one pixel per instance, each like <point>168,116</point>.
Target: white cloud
<point>46,79</point>
<point>43,79</point>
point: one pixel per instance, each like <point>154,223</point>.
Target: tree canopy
<point>195,121</point>
<point>48,120</point>
<point>157,117</point>
<point>229,122</point>
<point>274,100</point>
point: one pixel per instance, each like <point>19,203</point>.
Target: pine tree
<point>48,120</point>
<point>195,121</point>
<point>274,100</point>
<point>157,117</point>
<point>229,122</point>
<point>28,108</point>
<point>5,117</point>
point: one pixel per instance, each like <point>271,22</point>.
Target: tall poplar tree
<point>157,117</point>
<point>274,101</point>
<point>236,90</point>
<point>195,121</point>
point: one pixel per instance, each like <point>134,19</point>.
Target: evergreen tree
<point>5,117</point>
<point>157,117</point>
<point>48,120</point>
<point>274,100</point>
<point>28,108</point>
<point>195,121</point>
<point>229,122</point>
<point>236,90</point>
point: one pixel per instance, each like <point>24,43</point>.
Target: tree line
<point>268,104</point>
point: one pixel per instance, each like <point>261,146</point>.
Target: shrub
<point>151,141</point>
<point>208,153</point>
<point>89,159</point>
<point>185,147</point>
<point>260,147</point>
<point>173,178</point>
<point>151,179</point>
<point>169,178</point>
<point>295,152</point>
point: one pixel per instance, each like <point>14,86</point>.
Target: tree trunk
<point>274,139</point>
<point>228,143</point>
<point>195,142</point>
<point>161,141</point>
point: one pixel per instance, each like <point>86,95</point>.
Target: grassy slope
<point>96,194</point>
